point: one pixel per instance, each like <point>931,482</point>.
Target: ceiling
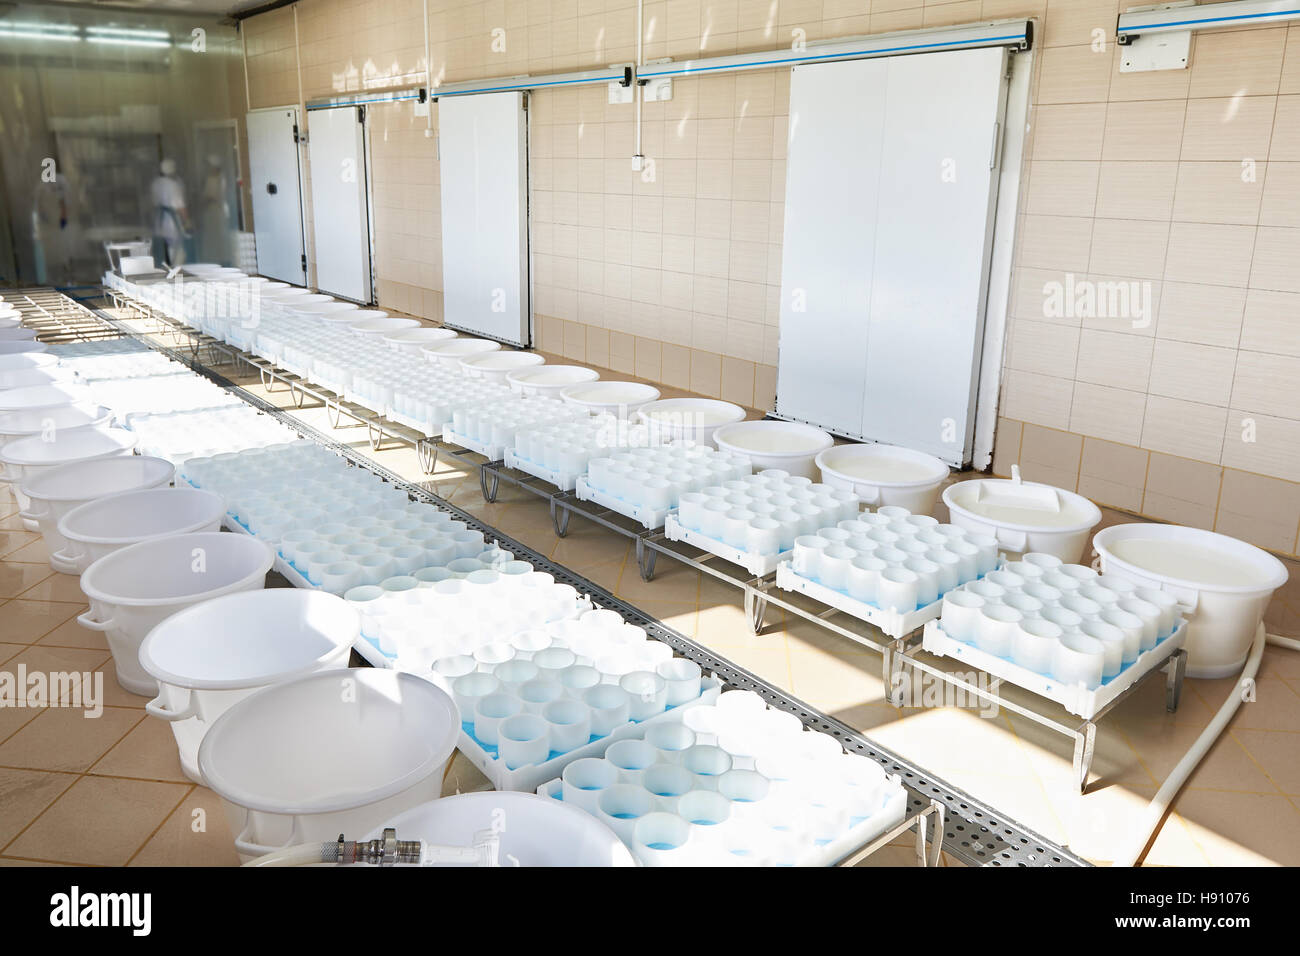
<point>208,7</point>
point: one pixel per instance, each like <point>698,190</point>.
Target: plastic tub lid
<point>553,375</point>
<point>610,393</point>
<point>496,361</point>
<point>420,336</point>
<point>142,513</point>
<point>883,465</point>
<point>691,412</point>
<point>69,444</point>
<point>98,478</point>
<point>249,638</point>
<point>1022,505</point>
<point>460,346</point>
<point>1190,558</point>
<point>137,572</point>
<point>374,326</point>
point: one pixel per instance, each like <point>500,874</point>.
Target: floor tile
<point>65,739</point>
<point>24,794</point>
<point>23,621</point>
<point>196,833</point>
<point>99,821</point>
<point>56,587</point>
<point>15,579</point>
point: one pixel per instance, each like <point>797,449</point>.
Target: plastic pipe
<point>1159,804</point>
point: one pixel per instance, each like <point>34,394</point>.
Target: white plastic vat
<point>450,352</point>
<point>614,398</point>
<point>695,419</point>
<point>496,366</point>
<point>25,458</point>
<point>789,446</point>
<point>1024,515</point>
<point>413,339</point>
<point>884,475</point>
<point>212,655</point>
<point>97,528</point>
<point>549,380</point>
<point>20,424</point>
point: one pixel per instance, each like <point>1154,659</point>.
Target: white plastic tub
<point>337,751</point>
<point>28,360</point>
<point>210,656</point>
<point>22,345</point>
<point>36,397</point>
<point>1223,585</point>
<point>1024,515</point>
<point>451,351</point>
<point>27,377</point>
<point>540,832</point>
<point>97,528</point>
<point>25,458</point>
<point>884,475</point>
<point>132,590</point>
<point>20,424</point>
<point>496,366</point>
<point>549,380</point>
<point>382,326</point>
<point>695,419</point>
<point>414,339</point>
<point>614,398</point>
<point>789,446</point>
<point>11,320</point>
<point>17,334</point>
<point>55,492</point>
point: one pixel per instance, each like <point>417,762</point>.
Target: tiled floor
<point>110,791</point>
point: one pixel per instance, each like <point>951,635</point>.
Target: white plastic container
<point>382,326</point>
<point>788,446</point>
<point>27,377</point>
<point>541,831</point>
<point>496,366</point>
<point>337,751</point>
<point>549,380</point>
<point>22,345</point>
<point>28,360</point>
<point>98,528</point>
<point>610,398</point>
<point>884,475</point>
<point>412,340</point>
<point>26,458</point>
<point>695,419</point>
<point>450,352</point>
<point>132,590</point>
<point>43,396</point>
<point>210,656</point>
<point>1222,584</point>
<point>1024,515</point>
<point>57,491</point>
<point>20,424</point>
<point>17,334</point>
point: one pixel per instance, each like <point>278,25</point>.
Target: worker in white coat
<point>171,217</point>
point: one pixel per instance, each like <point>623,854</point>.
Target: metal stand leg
<point>892,662</point>
<point>1174,679</point>
<point>427,455</point>
<point>334,413</point>
<point>374,435</point>
<point>488,483</point>
<point>755,606</point>
<point>559,518</point>
<point>645,560</point>
<point>929,856</point>
<point>1085,743</point>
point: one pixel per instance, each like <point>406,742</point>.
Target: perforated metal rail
<point>974,833</point>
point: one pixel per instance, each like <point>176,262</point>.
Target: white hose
<point>303,854</point>
<point>1155,811</point>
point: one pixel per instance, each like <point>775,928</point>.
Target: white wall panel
<point>340,206</point>
<point>274,179</point>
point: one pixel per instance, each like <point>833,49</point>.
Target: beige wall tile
<point>737,382</point>
<point>1262,444</point>
<point>706,373</point>
<point>1285,145</point>
<point>1205,314</point>
<point>1044,347</point>
<point>1114,414</point>
<point>1055,242</point>
<point>765,387</point>
<point>1213,254</point>
<point>1187,429</point>
<point>1071,131</point>
<point>1149,130</point>
<point>1197,373</point>
<point>1129,247</point>
<point>1268,384</point>
<point>1217,192</point>
<point>1245,63</point>
<point>1073,74</point>
<point>1277,250</point>
<point>1280,205</point>
<point>1290,81</point>
<point>1050,446</point>
<point>1041,399</point>
<point>1113,474</point>
<point>1271,322</point>
<point>1176,478</point>
<point>1136,190</point>
<point>1006,446</point>
<point>1063,188</point>
<point>1229,128</point>
<point>1116,359</point>
<point>1264,511</point>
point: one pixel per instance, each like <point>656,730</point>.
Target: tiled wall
<point>1186,183</point>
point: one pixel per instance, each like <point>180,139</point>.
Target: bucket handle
<point>244,844</point>
<point>1013,540</point>
<point>65,563</point>
<point>155,708</point>
<point>86,621</point>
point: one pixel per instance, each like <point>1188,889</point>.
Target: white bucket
<point>1223,585</point>
<point>212,655</point>
<point>382,326</point>
<point>55,492</point>
<point>885,475</point>
<point>611,398</point>
<point>695,419</point>
<point>450,352</point>
<point>134,589</point>
<point>44,396</point>
<point>549,380</point>
<point>17,334</point>
<point>20,424</point>
<point>25,458</point>
<point>27,377</point>
<point>98,528</point>
<point>789,446</point>
<point>1061,531</point>
<point>19,360</point>
<point>495,366</point>
<point>338,751</point>
<point>413,339</point>
<point>22,345</point>
<point>541,831</point>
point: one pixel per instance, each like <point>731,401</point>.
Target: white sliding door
<point>889,210</point>
<point>340,202</point>
<point>275,181</point>
<point>483,164</point>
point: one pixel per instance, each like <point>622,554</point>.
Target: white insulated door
<point>274,179</point>
<point>340,202</point>
<point>891,189</point>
